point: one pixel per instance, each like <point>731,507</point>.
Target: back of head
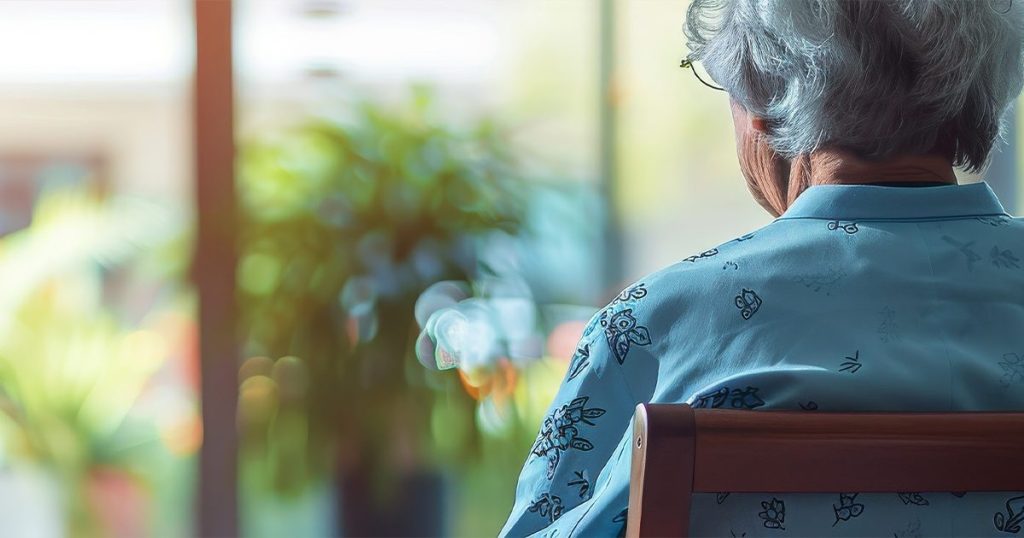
<point>878,77</point>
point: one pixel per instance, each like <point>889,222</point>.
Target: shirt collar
<point>867,202</point>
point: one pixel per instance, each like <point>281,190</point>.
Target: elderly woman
<point>882,284</point>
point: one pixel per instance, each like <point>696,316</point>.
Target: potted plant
<point>346,222</point>
<point>71,371</point>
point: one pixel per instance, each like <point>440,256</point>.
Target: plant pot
<point>118,502</point>
<point>415,505</point>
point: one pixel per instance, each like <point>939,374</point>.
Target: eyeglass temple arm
<point>688,64</point>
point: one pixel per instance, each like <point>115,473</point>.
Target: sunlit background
<point>546,153</point>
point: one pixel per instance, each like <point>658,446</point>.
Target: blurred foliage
<point>71,372</point>
<point>345,223</point>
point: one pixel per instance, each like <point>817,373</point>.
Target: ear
<point>759,124</point>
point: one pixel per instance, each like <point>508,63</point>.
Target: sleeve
<point>580,442</point>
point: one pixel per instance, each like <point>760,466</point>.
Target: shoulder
<point>692,281</point>
<point>672,313</point>
<point>667,298</point>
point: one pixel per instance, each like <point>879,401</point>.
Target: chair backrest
<point>678,450</point>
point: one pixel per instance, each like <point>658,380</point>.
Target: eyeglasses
<point>688,64</point>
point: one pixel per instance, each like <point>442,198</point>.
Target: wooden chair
<point>678,451</point>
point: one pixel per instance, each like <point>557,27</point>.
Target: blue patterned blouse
<point>858,298</point>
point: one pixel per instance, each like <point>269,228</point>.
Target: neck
<point>839,167</point>
<point>832,166</point>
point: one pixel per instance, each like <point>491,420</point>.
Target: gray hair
<point>877,77</point>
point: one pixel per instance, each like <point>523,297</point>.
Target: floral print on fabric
<point>622,330</point>
<point>888,329</point>
<point>749,302</point>
<point>852,364</point>
<point>745,398</point>
<point>847,508</point>
<point>849,228</point>
<point>1011,521</point>
<point>822,281</point>
<point>548,506</point>
<point>1013,369</point>
<point>1004,259</point>
<point>618,323</point>
<point>966,248</point>
<point>632,293</point>
<point>580,360</point>
<point>620,519</point>
<point>774,514</point>
<point>703,255</point>
<point>912,530</point>
<point>582,482</point>
<point>913,498</point>
<point>561,432</point>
